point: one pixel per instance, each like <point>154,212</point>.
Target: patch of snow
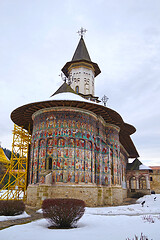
<point>92,227</point>
<point>144,167</point>
<point>6,218</point>
<point>39,211</point>
<point>150,206</point>
<point>97,223</point>
<point>71,97</point>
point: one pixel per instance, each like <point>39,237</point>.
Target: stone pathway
<point>30,211</point>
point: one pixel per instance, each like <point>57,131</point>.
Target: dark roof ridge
<point>63,88</point>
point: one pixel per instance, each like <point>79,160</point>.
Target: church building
<point>80,147</point>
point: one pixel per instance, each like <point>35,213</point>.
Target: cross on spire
<point>81,32</point>
<point>104,100</point>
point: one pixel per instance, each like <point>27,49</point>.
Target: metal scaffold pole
<point>15,188</point>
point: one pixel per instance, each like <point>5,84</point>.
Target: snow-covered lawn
<point>107,223</point>
<point>6,218</point>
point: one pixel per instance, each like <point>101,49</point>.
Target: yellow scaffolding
<point>18,167</point>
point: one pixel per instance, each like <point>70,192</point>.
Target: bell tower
<point>81,71</point>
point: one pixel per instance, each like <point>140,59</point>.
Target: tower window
<point>77,89</point>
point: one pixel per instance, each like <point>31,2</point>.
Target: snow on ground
<point>97,224</point>
<point>6,218</point>
<point>150,206</point>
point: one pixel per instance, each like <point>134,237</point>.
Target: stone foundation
<point>93,196</point>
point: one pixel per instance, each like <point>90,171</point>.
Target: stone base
<point>93,195</point>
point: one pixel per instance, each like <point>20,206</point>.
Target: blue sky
<point>37,37</point>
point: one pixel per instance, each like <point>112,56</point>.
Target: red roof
<point>155,167</point>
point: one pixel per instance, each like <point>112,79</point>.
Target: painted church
<point>80,147</point>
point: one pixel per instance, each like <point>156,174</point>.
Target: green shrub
<point>63,213</point>
<point>11,207</point>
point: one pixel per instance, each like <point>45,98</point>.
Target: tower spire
<point>81,70</point>
<point>81,52</point>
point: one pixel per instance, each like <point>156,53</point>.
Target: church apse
<point>75,147</point>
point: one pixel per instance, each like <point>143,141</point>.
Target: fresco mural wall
<point>74,146</point>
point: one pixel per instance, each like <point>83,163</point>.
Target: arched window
<point>77,89</point>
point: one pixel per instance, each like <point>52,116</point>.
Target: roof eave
<point>68,64</point>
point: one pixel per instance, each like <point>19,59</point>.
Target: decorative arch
<point>61,142</point>
<point>132,183</point>
<point>71,160</point>
<point>142,182</point>
<point>88,161</point>
<point>50,142</point>
<point>71,142</point>
<point>112,165</point>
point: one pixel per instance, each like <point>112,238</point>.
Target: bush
<point>63,213</point>
<point>142,237</point>
<point>11,207</point>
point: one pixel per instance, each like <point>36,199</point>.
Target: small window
<point>50,163</point>
<point>77,89</point>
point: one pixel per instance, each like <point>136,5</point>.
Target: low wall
<point>93,196</point>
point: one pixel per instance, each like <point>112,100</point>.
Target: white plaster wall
<point>84,78</point>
